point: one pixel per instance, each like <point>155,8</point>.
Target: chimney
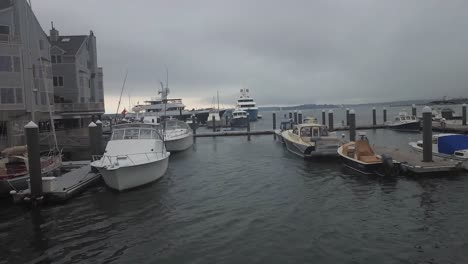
<point>54,34</point>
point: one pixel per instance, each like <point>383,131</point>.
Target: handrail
<point>102,158</point>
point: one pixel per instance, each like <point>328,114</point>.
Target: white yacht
<point>311,140</point>
<point>177,135</point>
<point>247,103</point>
<point>134,156</point>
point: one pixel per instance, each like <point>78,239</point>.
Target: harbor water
<point>231,200</point>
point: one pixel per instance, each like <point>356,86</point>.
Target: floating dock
<point>411,160</point>
<point>234,133</point>
<point>77,177</point>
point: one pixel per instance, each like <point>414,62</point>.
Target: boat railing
<point>114,159</point>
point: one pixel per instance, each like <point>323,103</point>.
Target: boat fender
<point>388,166</point>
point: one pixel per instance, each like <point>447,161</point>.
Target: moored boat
<point>177,135</point>
<point>247,103</point>
<point>451,146</point>
<point>239,118</point>
<point>285,124</point>
<point>405,122</point>
<point>359,156</point>
<point>311,140</point>
<point>134,156</point>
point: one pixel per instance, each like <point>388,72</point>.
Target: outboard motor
<point>389,168</point>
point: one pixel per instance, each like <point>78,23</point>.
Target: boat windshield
<point>135,133</point>
<point>176,124</point>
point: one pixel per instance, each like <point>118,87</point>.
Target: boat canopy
<point>451,143</point>
<point>136,132</point>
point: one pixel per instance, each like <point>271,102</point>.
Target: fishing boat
<point>451,146</point>
<point>239,118</point>
<point>359,156</point>
<point>405,122</point>
<point>134,156</point>
<point>247,103</point>
<point>311,140</point>
<point>14,167</point>
<point>177,135</point>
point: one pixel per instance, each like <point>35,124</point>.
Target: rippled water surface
<point>230,200</point>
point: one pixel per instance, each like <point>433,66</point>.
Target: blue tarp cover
<point>452,143</point>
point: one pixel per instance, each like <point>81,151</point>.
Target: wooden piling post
<point>93,130</point>
<point>330,120</point>
<point>34,161</point>
<point>374,116</point>
<point>99,138</point>
<point>214,123</point>
<point>324,122</point>
<point>295,116</point>
<point>194,125</point>
<point>347,116</point>
<point>464,114</point>
<point>384,115</point>
<point>248,130</point>
<point>274,120</point>
<point>427,134</point>
<point>352,125</point>
<point>290,115</point>
<point>299,117</point>
<point>413,110</point>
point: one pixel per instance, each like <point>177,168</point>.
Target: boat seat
<point>369,159</point>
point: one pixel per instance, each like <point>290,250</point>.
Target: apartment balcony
<point>79,108</point>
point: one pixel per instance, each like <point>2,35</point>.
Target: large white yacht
<point>247,103</point>
<point>134,156</point>
<point>177,135</point>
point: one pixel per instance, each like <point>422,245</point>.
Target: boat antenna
<point>121,92</point>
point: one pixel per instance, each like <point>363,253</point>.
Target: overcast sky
<point>286,52</point>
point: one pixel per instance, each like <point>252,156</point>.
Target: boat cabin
<point>239,114</point>
<point>403,116</point>
<point>136,131</point>
<point>450,144</point>
<point>310,130</point>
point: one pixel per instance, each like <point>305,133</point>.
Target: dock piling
<point>34,161</point>
<point>323,118</point>
<point>295,117</point>
<point>464,114</point>
<point>330,120</point>
<point>384,115</point>
<point>99,138</point>
<point>290,115</point>
<point>93,141</point>
<point>274,120</point>
<point>374,116</point>
<point>347,116</point>
<point>427,134</point>
<point>214,123</point>
<point>194,125</point>
<point>299,117</point>
<point>413,110</point>
<point>352,125</point>
<point>248,130</point>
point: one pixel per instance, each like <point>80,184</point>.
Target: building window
<point>58,81</point>
<point>19,95</point>
<point>7,95</point>
<point>56,58</point>
<point>5,64</point>
<point>16,64</point>
<point>4,33</point>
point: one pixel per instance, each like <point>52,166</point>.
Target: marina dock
<point>411,161</point>
<point>77,177</point>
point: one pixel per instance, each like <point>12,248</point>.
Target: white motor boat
<point>178,135</point>
<point>311,140</point>
<point>134,156</point>
<point>239,118</point>
<point>405,122</point>
<point>451,146</point>
<point>218,122</point>
<point>246,102</point>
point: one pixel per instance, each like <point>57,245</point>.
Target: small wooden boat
<point>360,156</point>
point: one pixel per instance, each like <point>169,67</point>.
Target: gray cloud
<point>286,52</point>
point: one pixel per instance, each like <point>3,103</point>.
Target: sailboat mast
<point>217,95</point>
<point>121,92</point>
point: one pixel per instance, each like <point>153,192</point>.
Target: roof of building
<point>69,44</point>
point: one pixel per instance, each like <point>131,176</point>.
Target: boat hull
<point>218,123</point>
<point>179,144</point>
<point>410,126</point>
<point>239,122</point>
<point>414,146</point>
<point>278,135</point>
<point>308,151</point>
<point>18,183</point>
<point>375,168</point>
<point>252,114</point>
<point>129,177</point>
